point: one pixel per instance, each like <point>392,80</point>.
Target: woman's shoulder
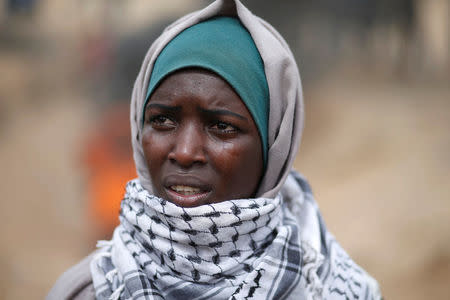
<point>335,274</point>
<point>75,283</point>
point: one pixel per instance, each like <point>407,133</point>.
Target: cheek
<point>154,151</point>
<point>228,156</point>
<point>241,153</point>
<point>240,166</point>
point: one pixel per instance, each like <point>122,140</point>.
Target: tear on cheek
<point>229,151</point>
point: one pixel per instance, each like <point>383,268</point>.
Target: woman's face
<point>200,141</point>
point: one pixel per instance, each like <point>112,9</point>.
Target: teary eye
<point>161,121</point>
<point>224,127</point>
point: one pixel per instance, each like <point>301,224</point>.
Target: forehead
<point>197,86</point>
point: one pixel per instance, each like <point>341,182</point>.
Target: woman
<point>216,212</point>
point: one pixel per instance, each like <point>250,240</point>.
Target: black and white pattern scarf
<point>239,249</point>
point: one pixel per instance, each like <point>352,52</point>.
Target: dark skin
<point>200,141</point>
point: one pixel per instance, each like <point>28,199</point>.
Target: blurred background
<point>376,144</point>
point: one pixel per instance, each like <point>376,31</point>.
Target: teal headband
<point>224,46</point>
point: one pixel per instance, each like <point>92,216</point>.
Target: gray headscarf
<point>286,99</point>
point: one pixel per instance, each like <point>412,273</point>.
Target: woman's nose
<point>188,147</point>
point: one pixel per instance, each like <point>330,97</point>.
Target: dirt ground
<point>375,150</point>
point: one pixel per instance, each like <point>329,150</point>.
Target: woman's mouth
<point>187,196</point>
<point>185,190</point>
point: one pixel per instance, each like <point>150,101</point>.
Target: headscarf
<point>285,121</point>
<point>273,246</point>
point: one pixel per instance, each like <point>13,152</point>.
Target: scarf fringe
<point>312,261</point>
<point>116,294</point>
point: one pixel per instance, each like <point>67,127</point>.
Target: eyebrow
<point>222,112</point>
<point>162,106</point>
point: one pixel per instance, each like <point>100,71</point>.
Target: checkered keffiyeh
<point>237,249</point>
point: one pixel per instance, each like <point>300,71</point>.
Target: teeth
<point>185,190</point>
